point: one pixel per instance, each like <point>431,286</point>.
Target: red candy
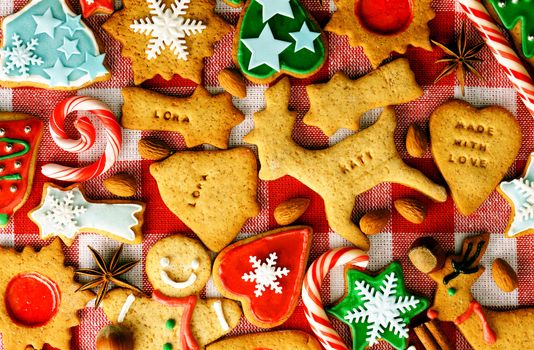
<point>32,299</point>
<point>386,17</point>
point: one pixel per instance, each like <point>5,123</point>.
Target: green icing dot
<point>4,218</point>
<point>170,324</point>
<point>167,346</point>
<point>451,291</point>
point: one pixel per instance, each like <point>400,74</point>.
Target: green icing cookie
<point>378,307</point>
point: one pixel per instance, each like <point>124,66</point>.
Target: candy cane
<point>86,140</point>
<point>311,293</point>
<point>502,50</point>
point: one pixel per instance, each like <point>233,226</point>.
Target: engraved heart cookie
<point>473,149</point>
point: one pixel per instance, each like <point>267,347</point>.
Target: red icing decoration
<point>432,314</point>
<point>32,299</point>
<point>291,247</point>
<point>187,340</point>
<point>97,6</point>
<point>14,129</point>
<point>489,335</point>
<point>385,17</point>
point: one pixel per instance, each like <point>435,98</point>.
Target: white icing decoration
<point>21,55</point>
<point>217,306</point>
<point>265,274</point>
<point>167,28</point>
<point>271,8</point>
<point>125,308</point>
<point>381,309</point>
<point>66,212</point>
<point>521,194</point>
<point>164,262</point>
<point>265,49</point>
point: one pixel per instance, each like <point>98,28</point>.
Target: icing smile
<point>164,262</point>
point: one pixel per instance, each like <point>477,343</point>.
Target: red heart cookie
<point>265,273</point>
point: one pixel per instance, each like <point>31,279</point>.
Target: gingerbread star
<point>178,47</point>
<point>382,27</point>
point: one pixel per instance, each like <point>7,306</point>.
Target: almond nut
<point>416,141</point>
<point>122,185</point>
<point>411,209</point>
<point>289,211</point>
<point>233,83</point>
<point>504,275</point>
<point>153,149</point>
<point>374,221</point>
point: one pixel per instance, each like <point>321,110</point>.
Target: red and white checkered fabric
<point>444,222</point>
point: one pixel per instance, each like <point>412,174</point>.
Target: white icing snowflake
<point>167,28</point>
<point>21,55</point>
<point>381,309</point>
<point>265,274</point>
<point>90,2</point>
<point>63,213</point>
<point>526,189</point>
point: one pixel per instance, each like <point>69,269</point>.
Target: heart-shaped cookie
<point>265,273</point>
<point>473,149</point>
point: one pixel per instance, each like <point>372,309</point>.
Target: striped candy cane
<point>501,49</point>
<point>86,140</point>
<point>311,292</point>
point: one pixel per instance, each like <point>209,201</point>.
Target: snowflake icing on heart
<point>63,212</point>
<point>167,28</point>
<point>265,274</point>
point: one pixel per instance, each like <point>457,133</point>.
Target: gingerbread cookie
<point>275,38</point>
<point>20,135</point>
<point>383,26</point>
<point>473,149</point>
<point>393,83</point>
<point>65,212</point>
<point>520,194</point>
<point>212,192</point>
<point>163,322</point>
<point>47,45</point>
<point>453,301</point>
<point>279,340</point>
<point>200,118</point>
<point>167,37</point>
<point>265,273</point>
<point>38,303</point>
<point>178,266</point>
<point>378,307</point>
<point>339,173</point>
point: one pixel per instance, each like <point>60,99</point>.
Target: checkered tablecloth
<point>444,222</point>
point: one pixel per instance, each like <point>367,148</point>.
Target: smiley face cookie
<point>178,266</point>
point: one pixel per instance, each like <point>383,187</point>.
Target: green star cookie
<point>378,307</point>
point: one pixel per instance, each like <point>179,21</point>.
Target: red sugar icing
<point>385,17</point>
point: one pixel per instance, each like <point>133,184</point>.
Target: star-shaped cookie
<point>520,194</point>
<point>378,307</point>
<point>382,27</point>
<point>167,37</point>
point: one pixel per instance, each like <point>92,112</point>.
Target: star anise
<point>460,59</point>
<point>106,274</point>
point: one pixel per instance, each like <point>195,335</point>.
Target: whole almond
<point>289,211</point>
<point>121,184</point>
<point>504,275</point>
<point>416,141</point>
<point>374,221</point>
<point>153,149</point>
<point>411,209</point>
<point>233,83</point>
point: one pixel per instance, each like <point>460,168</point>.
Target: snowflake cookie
<point>47,45</point>
<point>520,194</point>
<point>39,302</point>
<point>167,37</point>
<point>66,212</point>
<point>265,273</point>
<point>378,307</point>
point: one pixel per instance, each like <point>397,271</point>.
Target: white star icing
<point>270,8</point>
<point>304,38</point>
<point>46,23</point>
<point>265,49</point>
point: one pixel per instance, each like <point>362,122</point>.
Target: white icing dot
<point>164,262</point>
<point>515,1</point>
<point>195,264</point>
<point>2,168</point>
<point>27,129</point>
<point>9,147</point>
<point>2,132</point>
<point>13,188</point>
<point>531,37</point>
<point>18,164</point>
<point>502,4</point>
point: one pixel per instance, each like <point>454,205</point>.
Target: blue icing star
<point>59,74</point>
<point>304,38</point>
<point>72,24</point>
<point>265,49</point>
<point>46,23</point>
<point>93,65</point>
<point>275,7</point>
<point>69,47</point>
